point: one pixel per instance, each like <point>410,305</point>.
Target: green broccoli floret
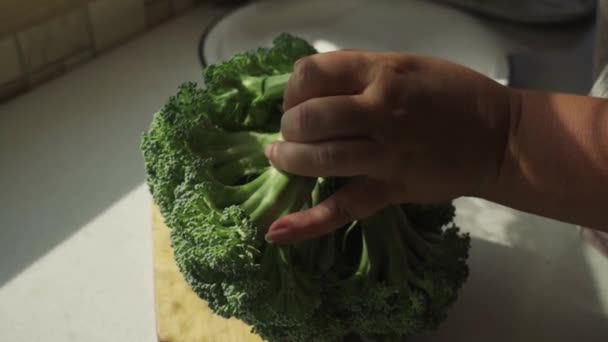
<point>247,90</point>
<point>430,217</point>
<point>385,277</point>
<point>164,145</point>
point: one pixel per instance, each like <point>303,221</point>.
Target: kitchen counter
<point>75,215</point>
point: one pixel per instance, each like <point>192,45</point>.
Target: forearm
<point>556,159</point>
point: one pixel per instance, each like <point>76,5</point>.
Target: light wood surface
<point>180,315</point>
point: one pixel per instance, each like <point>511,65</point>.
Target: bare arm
<point>415,129</point>
<point>556,160</point>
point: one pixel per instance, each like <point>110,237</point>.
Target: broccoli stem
<point>383,230</point>
<point>318,255</point>
<point>266,87</point>
<point>265,95</point>
<point>291,293</point>
<point>392,251</point>
<point>365,268</point>
<point>398,273</point>
<point>235,170</point>
<point>280,194</point>
<point>222,145</point>
<point>270,195</point>
<point>413,239</point>
<point>236,155</point>
<point>274,86</point>
<point>412,245</point>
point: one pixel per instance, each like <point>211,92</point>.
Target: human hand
<point>405,128</point>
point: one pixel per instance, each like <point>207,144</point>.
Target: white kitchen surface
<point>75,247</point>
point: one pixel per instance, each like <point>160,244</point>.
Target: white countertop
<point>75,247</point>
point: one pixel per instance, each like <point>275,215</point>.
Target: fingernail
<point>281,234</point>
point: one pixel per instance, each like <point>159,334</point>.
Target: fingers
<point>328,74</point>
<point>346,158</point>
<point>359,199</point>
<point>327,118</point>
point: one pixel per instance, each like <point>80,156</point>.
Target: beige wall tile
<point>181,5</point>
<point>158,11</point>
<point>55,39</point>
<point>10,67</point>
<point>16,15</point>
<point>114,21</point>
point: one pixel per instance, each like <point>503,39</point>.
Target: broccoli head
<point>387,276</point>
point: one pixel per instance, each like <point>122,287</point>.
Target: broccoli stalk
<point>266,87</point>
<point>384,257</point>
<point>395,257</point>
<point>236,173</point>
<point>236,156</point>
<point>270,195</point>
<point>291,292</point>
<point>396,254</point>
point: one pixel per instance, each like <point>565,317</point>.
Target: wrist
<point>554,161</point>
<point>508,107</point>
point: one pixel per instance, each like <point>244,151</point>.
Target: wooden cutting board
<point>180,315</point>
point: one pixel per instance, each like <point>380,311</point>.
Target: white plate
<point>391,25</point>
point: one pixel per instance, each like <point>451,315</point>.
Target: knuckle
<point>298,122</point>
<point>400,63</point>
<point>305,72</point>
<point>325,157</point>
<point>405,64</point>
<point>304,69</point>
<point>303,118</point>
<point>389,90</point>
<point>392,89</point>
<point>342,209</point>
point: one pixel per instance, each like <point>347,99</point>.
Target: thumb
<point>359,199</point>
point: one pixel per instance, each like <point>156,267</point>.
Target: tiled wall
<point>42,50</point>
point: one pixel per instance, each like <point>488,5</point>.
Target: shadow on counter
<point>530,281</point>
<point>69,150</point>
